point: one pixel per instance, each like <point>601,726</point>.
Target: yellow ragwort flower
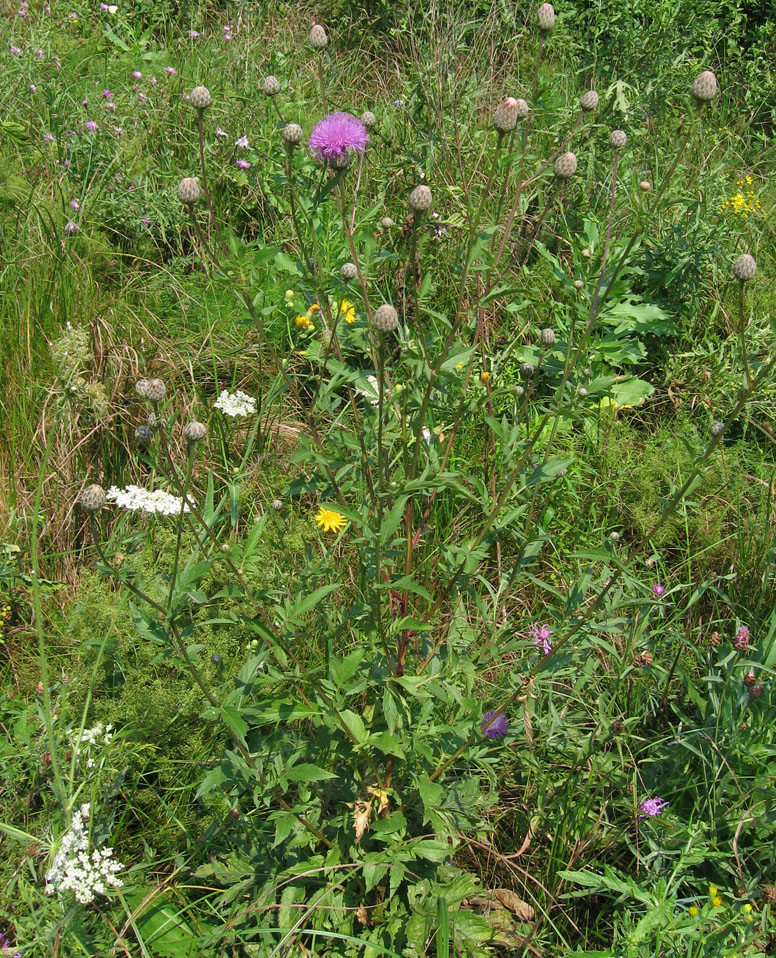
<point>347,311</point>
<point>330,521</point>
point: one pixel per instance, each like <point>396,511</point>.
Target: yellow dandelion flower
<point>330,521</point>
<point>347,311</point>
<point>693,910</point>
<point>716,901</point>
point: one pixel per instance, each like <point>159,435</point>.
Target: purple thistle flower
<point>91,126</point>
<point>741,641</point>
<point>658,589</point>
<point>70,228</point>
<point>541,636</point>
<point>107,94</point>
<point>243,164</point>
<point>171,71</point>
<point>336,134</point>
<point>75,205</point>
<point>652,807</point>
<point>494,725</point>
<point>137,74</point>
<point>242,142</point>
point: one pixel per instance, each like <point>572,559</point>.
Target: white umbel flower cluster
<point>75,870</point>
<point>91,738</point>
<point>135,498</point>
<point>372,391</point>
<point>235,404</point>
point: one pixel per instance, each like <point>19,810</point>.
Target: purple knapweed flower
<point>137,74</point>
<point>84,103</point>
<point>741,640</point>
<point>658,589</point>
<point>49,138</point>
<point>39,54</point>
<point>33,88</point>
<point>193,34</point>
<point>243,164</point>
<point>70,227</point>
<point>75,205</point>
<point>221,134</point>
<point>16,51</point>
<point>6,948</point>
<point>171,71</point>
<point>541,636</point>
<point>111,106</point>
<point>154,81</point>
<point>336,135</point>
<point>494,724</point>
<point>652,807</point>
<point>91,126</point>
<point>141,96</point>
<point>107,94</point>
<point>242,142</point>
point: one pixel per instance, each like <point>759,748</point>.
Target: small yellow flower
<point>459,365</point>
<point>347,311</point>
<point>330,521</point>
<point>484,375</point>
<point>303,322</point>
<point>713,890</point>
<point>716,901</point>
<point>746,908</point>
<point>693,910</point>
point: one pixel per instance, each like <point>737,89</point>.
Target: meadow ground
<point>387,480</point>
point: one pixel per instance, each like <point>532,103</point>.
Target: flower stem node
<point>188,191</point>
<point>318,37</point>
<point>155,391</point>
<point>421,199</point>
<point>545,17</point>
<point>271,86</point>
<point>385,319</point>
<point>618,139</point>
<point>292,133</point>
<point>93,498</point>
<point>200,98</point>
<point>565,166</point>
<point>194,432</point>
<point>705,87</point>
<point>589,101</point>
<point>744,268</point>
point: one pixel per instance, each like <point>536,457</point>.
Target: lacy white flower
<point>235,404</point>
<point>92,738</point>
<point>134,498</point>
<point>372,391</point>
<point>75,870</point>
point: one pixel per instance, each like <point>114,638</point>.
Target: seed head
<point>547,337</point>
<point>618,139</point>
<point>705,87</point>
<point>744,268</point>
<point>386,222</point>
<point>420,198</point>
<point>645,186</point>
<point>141,388</point>
<point>194,431</point>
<point>93,498</point>
<point>271,86</point>
<point>546,17</point>
<point>717,428</point>
<point>715,639</point>
<point>505,117</point>
<point>368,119</point>
<point>385,319</point>
<point>143,434</point>
<point>277,505</point>
<point>292,133</point>
<point>589,101</point>
<point>200,98</point>
<point>318,38</point>
<point>566,165</point>
<point>155,391</point>
<point>349,271</point>
<point>188,191</point>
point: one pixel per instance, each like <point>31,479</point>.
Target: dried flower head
<point>318,38</point>
<point>565,166</point>
<point>141,388</point>
<point>494,724</point>
<point>143,434</point>
<point>194,431</point>
<point>271,86</point>
<point>93,498</point>
<point>704,87</point>
<point>200,98</point>
<point>385,319</point>
<point>292,133</point>
<point>505,117</point>
<point>755,691</point>
<point>547,337</point>
<point>420,198</point>
<point>545,17</point>
<point>188,191</point>
<point>715,639</point>
<point>589,101</point>
<point>386,222</point>
<point>336,135</point>
<point>744,268</point>
<point>368,119</point>
<point>349,271</point>
<point>618,139</point>
<point>155,391</point>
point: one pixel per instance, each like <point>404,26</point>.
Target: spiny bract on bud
<point>744,268</point>
<point>704,87</point>
<point>368,119</point>
<point>565,166</point>
<point>546,17</point>
<point>271,86</point>
<point>618,139</point>
<point>93,498</point>
<point>188,191</point>
<point>318,38</point>
<point>194,431</point>
<point>292,133</point>
<point>385,318</point>
<point>155,391</point>
<point>349,271</point>
<point>547,337</point>
<point>589,101</point>
<point>200,98</point>
<point>505,117</point>
<point>420,198</point>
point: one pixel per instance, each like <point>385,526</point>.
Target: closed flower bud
<point>755,691</point>
<point>420,198</point>
<point>547,337</point>
<point>93,498</point>
<point>292,133</point>
<point>318,38</point>
<point>155,390</point>
<point>589,101</point>
<point>717,428</point>
<point>368,119</point>
<point>215,658</point>
<point>618,139</point>
<point>194,431</point>
<point>200,98</point>
<point>565,166</point>
<point>582,392</point>
<point>519,392</point>
<point>750,678</point>
<point>744,268</point>
<point>141,388</point>
<point>704,87</point>
<point>277,505</point>
<point>143,434</point>
<point>546,17</point>
<point>271,86</point>
<point>188,191</point>
<point>586,253</point>
<point>349,272</point>
<point>386,222</point>
<point>527,370</point>
<point>522,109</point>
<point>579,284</point>
<point>505,117</point>
<point>645,186</point>
<point>385,319</point>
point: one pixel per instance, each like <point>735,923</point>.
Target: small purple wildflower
<point>33,88</point>
<point>336,135</point>
<point>39,54</point>
<point>242,142</point>
<point>75,205</point>
<point>22,14</point>
<point>91,126</point>
<point>107,94</point>
<point>137,74</point>
<point>141,96</point>
<point>84,103</point>
<point>193,34</point>
<point>494,725</point>
<point>652,807</point>
<point>154,81</point>
<point>171,71</point>
<point>70,228</point>
<point>6,948</point>
<point>49,138</point>
<point>541,636</point>
<point>741,641</point>
<point>111,106</point>
<point>243,164</point>
<point>57,63</point>
<point>658,589</point>
<point>221,134</point>
<point>16,51</point>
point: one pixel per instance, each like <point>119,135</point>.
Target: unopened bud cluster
<point>385,319</point>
